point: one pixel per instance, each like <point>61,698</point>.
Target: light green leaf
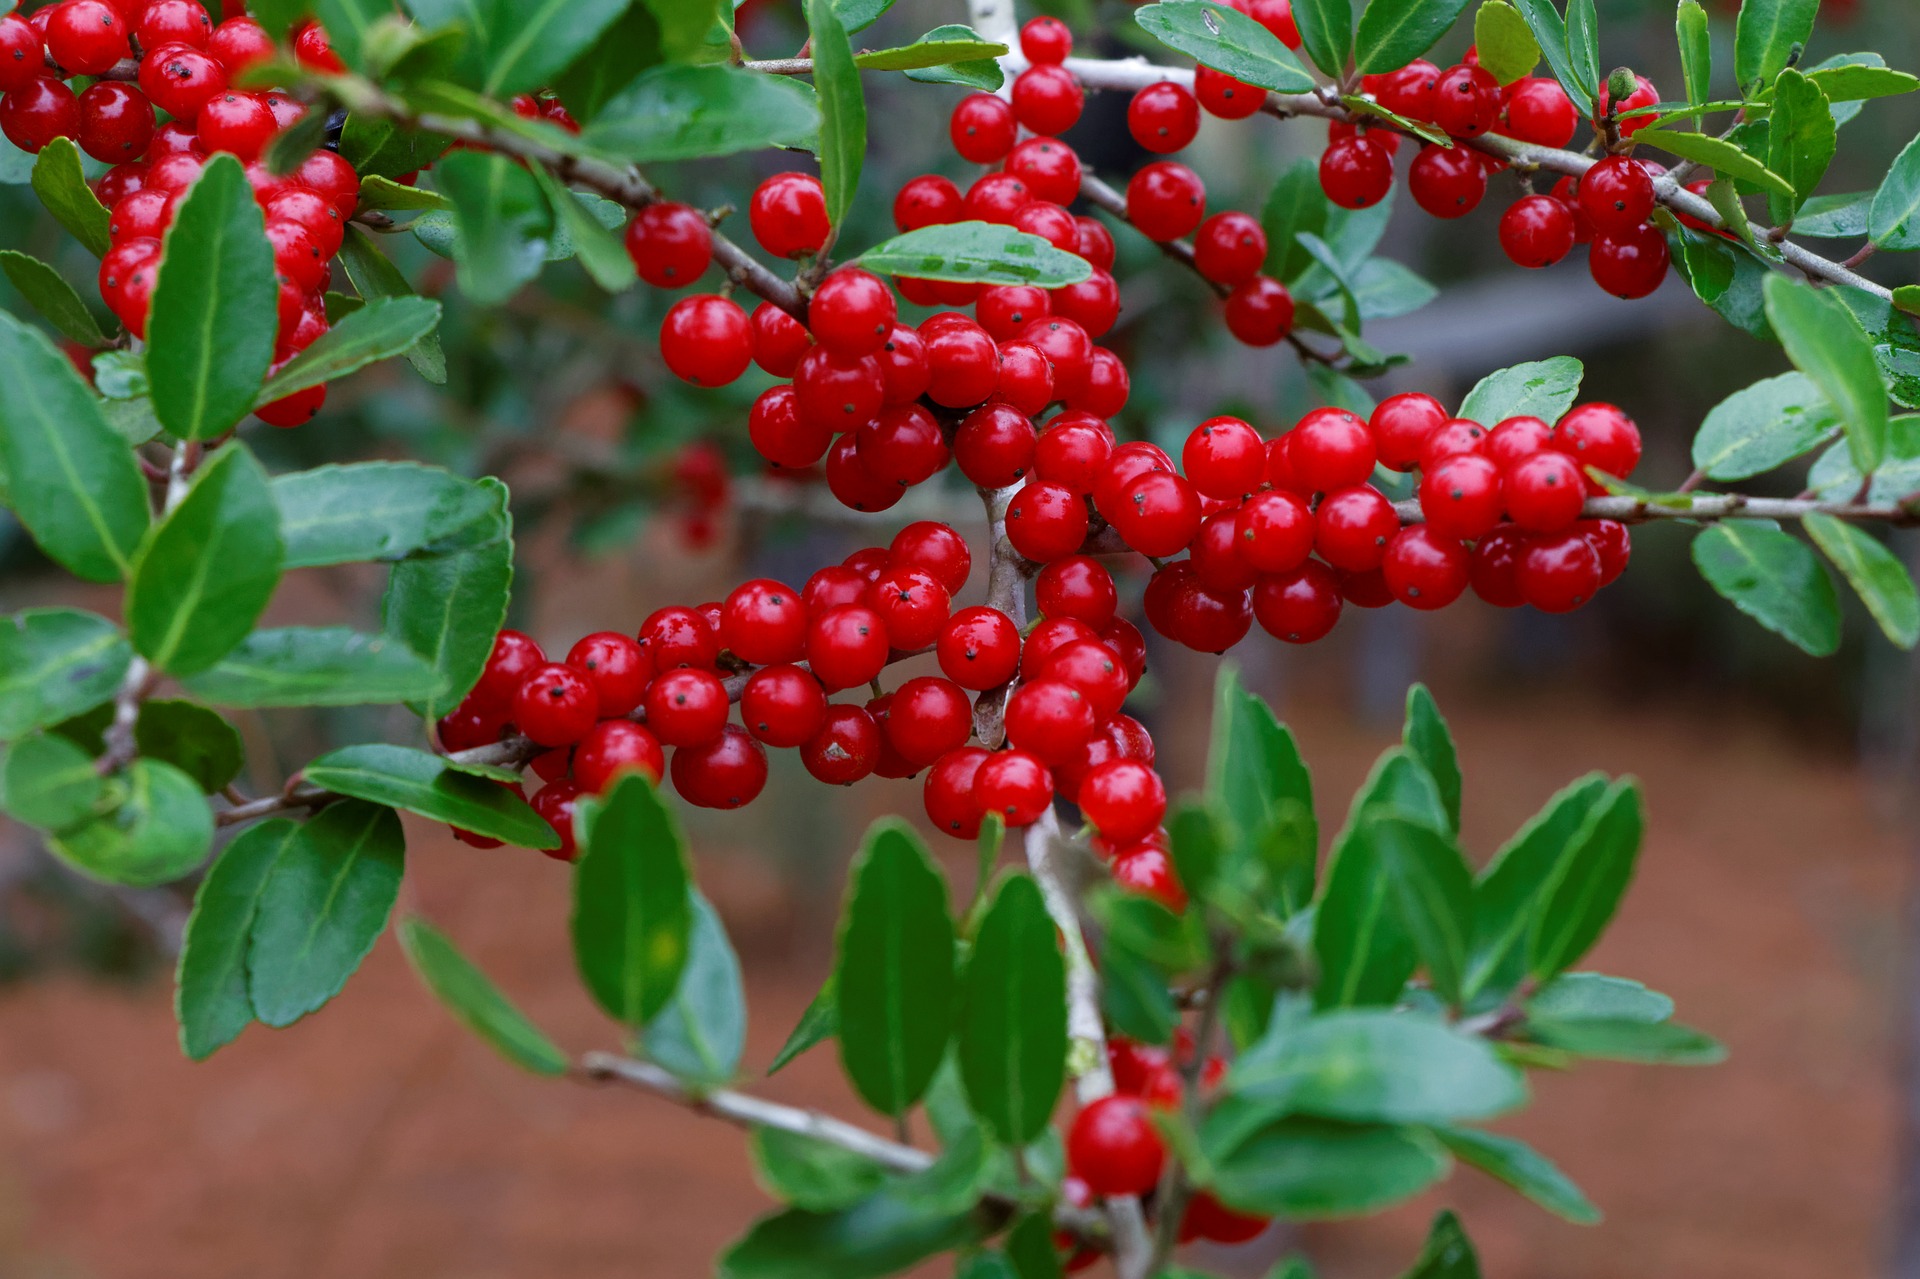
<point>692,30</point>
<point>1826,342</point>
<point>599,250</point>
<point>1761,427</point>
<point>931,50</point>
<point>1525,1169</point>
<point>1891,220</point>
<point>160,831</point>
<point>1801,138</point>
<point>810,1173</point>
<point>52,296</point>
<point>1578,996</point>
<point>1717,154</point>
<point>1768,35</point>
<point>504,221</point>
<point>402,777</point>
<point>1313,1168</point>
<point>324,666</point>
<point>820,1022</point>
<point>51,783</point>
<point>1544,389</point>
<point>56,663</point>
<point>1876,573</point>
<point>372,511</point>
<point>1229,41</point>
<point>61,183</point>
<point>686,113</point>
<point>210,990</point>
<point>1508,50</point>
<point>1583,44</point>
<point>1854,82</point>
<point>976,253</point>
<point>1696,52</point>
<point>1364,952</point>
<point>857,15</point>
<point>380,330</point>
<point>1551,32</point>
<point>1429,741</point>
<point>883,1234</point>
<point>1664,1043</point>
<point>632,908</point>
<point>479,1005</point>
<point>531,41</point>
<point>1773,578</point>
<point>701,1032</point>
<point>1433,892</point>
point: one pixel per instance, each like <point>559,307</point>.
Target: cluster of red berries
<point>185,66</point>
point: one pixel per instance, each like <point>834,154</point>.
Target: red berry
<point>179,79</point>
<point>1545,492</point>
<point>1229,248</point>
<point>1114,1147</point>
<point>1004,310</point>
<point>1330,449</point>
<point>838,393</point>
<point>1299,606</point>
<point>1277,17</point>
<point>1643,95</point>
<point>1224,96</point>
<point>1207,1218</point>
<point>979,649</point>
<point>615,747</point>
<point>1051,171</point>
<point>173,22</point>
<point>963,364</point>
<point>1095,243</point>
<point>1077,587</point>
<point>555,705</point>
<point>312,48</point>
<point>1015,785</point>
<point>1045,40</point>
<point>241,123</point>
<point>706,340</point>
<point>1494,565</point>
<point>902,446</point>
<point>847,646</point>
<point>86,37</point>
<point>852,484</point>
<point>1224,458</point>
<point>1275,532</point>
<point>1515,440</point>
<point>1447,182</point>
<point>936,548</point>
<point>1466,101</point>
<point>1462,496</point>
<point>1093,304</point>
<point>1260,312</point>
<point>1046,522</point>
<point>38,112</point>
<point>116,122</point>
<point>783,705</point>
<point>788,215</point>
<point>1455,436</point>
<point>1425,568</point>
<point>1157,514</point>
<point>1401,425</point>
<point>1049,718</point>
<point>913,605</point>
<point>1611,541</point>
<point>1166,200</point>
<point>671,246</point>
<point>846,747</point>
<point>1067,347</point>
<point>994,445</point>
<point>616,666</point>
<point>764,622</point>
<point>1539,111</point>
<point>1047,99</point>
<point>1356,172</point>
<point>324,171</point>
<point>949,794</point>
<point>982,128</point>
<point>1093,668</point>
<point>1147,870</point>
<point>928,718</point>
<point>1409,91</point>
<point>1026,378</point>
<point>686,706</point>
<point>556,803</point>
<point>1352,527</point>
<point>144,215</point>
<point>1163,117</point>
<point>1616,194</point>
<point>1558,572</point>
<point>236,44</point>
<point>852,313</point>
<point>1629,264</point>
<point>311,210</point>
<point>675,636</point>
<point>1124,799</point>
<point>728,772</point>
<point>928,200</point>
<point>1601,436</point>
<point>1537,231</point>
<point>22,53</point>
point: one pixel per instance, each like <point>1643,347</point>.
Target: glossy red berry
<point>1536,231</point>
<point>1643,95</point>
<point>675,636</point>
<point>1046,39</point>
<point>851,313</point>
<point>846,747</point>
<point>706,340</point>
<point>1629,264</point>
<point>1147,870</point>
<point>616,666</point>
<point>1124,799</point>
<point>22,53</point>
<point>1163,117</point>
<point>763,622</point>
<point>982,128</point>
<point>1558,572</point>
<point>1274,532</point>
<point>1208,1218</point>
<point>1539,111</point>
<point>1166,200</point>
<point>1352,527</point>
<point>672,245</point>
<point>686,706</point>
<point>1157,514</point>
<point>1494,566</point>
<point>1544,493</point>
<point>726,773</point>
<point>1277,17</point>
<point>1046,522</point>
<point>928,718</point>
<point>1300,606</point>
<point>783,705</point>
<point>1114,1147</point>
<point>1447,182</point>
<point>236,44</point>
<point>313,48</point>
<point>994,445</point>
<point>555,705</point>
<point>1462,496</point>
<point>847,646</point>
<point>1601,436</point>
<point>1051,171</point>
<point>172,22</point>
<point>1356,172</point>
<point>935,547</point>
<point>1014,784</point>
<point>1401,426</point>
<point>240,123</point>
<point>86,37</point>
<point>615,747</point>
<point>1466,101</point>
<point>788,215</point>
<point>1516,439</point>
<point>1223,96</point>
<point>948,794</point>
<point>179,79</point>
<point>116,122</point>
<point>1260,312</point>
<point>1425,568</point>
<point>556,803</point>
<point>1616,194</point>
<point>979,648</point>
<point>332,176</point>
<point>1224,457</point>
<point>38,112</point>
<point>1078,587</point>
<point>963,364</point>
<point>1047,99</point>
<point>1229,248</point>
<point>1092,667</point>
<point>1409,91</point>
<point>1330,449</point>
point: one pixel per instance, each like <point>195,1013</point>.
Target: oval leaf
<point>210,989</point>
<point>1773,578</point>
<point>843,107</point>
<point>1395,32</point>
<point>1228,41</point>
<point>977,253</point>
<point>479,1005</point>
<point>1544,389</point>
<point>378,511</point>
<point>1013,1023</point>
<point>687,113</point>
<point>1762,426</point>
<point>1377,1066</point>
<point>61,183</point>
<point>701,1032</point>
<point>1891,221</point>
<point>328,666</point>
<point>1767,36</point>
<point>1826,342</point>
<point>1877,575</point>
<point>52,296</point>
<point>448,607</point>
<point>422,783</point>
<point>1507,48</point>
<point>1525,1169</point>
<point>632,911</point>
<point>1311,1168</point>
<point>54,664</point>
<point>161,831</point>
<point>1591,879</point>
<point>380,330</point>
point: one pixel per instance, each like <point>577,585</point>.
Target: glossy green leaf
<point>210,999</point>
<point>1448,1253</point>
<point>1134,998</point>
<point>1429,741</point>
<point>316,666</point>
<point>531,41</point>
<point>1590,882</point>
<point>1826,342</point>
<point>1508,50</point>
<point>1876,574</point>
<point>1305,1169</point>
<point>1525,1169</point>
<point>193,739</point>
<point>883,1234</point>
<point>976,252</point>
<point>54,664</point>
<point>1295,204</point>
<point>373,511</point>
<point>692,30</point>
<point>1891,220</point>
<point>1583,45</point>
<point>504,222</point>
<point>73,481</point>
<point>476,1002</point>
<point>204,577</point>
<point>931,50</point>
<point>1852,82</point>
<point>61,183</point>
<point>448,607</point>
<point>1774,578</point>
<point>324,905</point>
<point>1664,1043</point>
<point>820,1022</point>
<point>1769,35</point>
<point>857,15</point>
<point>161,830</point>
<point>843,108</point>
<point>1696,51</point>
<point>1761,427</point>
<point>1259,786</point>
<point>50,295</point>
<point>1364,951</point>
<point>51,783</point>
<point>380,330</point>
<point>215,307</point>
<point>1835,477</point>
<point>1377,1066</point>
<point>1717,154</point>
<point>1013,1015</point>
<point>701,1032</point>
<point>598,249</point>
<point>894,970</point>
<point>1551,31</point>
<point>1432,891</point>
<point>1511,892</point>
<point>1395,32</point>
<point>1326,32</point>
<point>1543,388</point>
<point>1801,138</point>
<point>1227,41</point>
<point>983,73</point>
<point>810,1173</point>
<point>402,777</point>
<point>1596,996</point>
<point>374,277</point>
<point>632,908</point>
<point>685,113</point>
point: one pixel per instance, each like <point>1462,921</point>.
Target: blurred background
<point>378,1139</point>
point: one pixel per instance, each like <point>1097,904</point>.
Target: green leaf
<point>1891,221</point>
<point>1013,1016</point>
<point>52,296</point>
<point>215,307</point>
<point>447,608</point>
<point>324,905</point>
<point>160,831</point>
<point>599,250</point>
<point>843,108</point>
<point>1801,138</point>
<point>1505,42</point>
<point>1433,892</point>
<point>1595,996</point>
<point>1853,82</point>
<point>210,990</point>
<point>374,277</point>
<point>1591,879</point>
<point>984,74</point>
<point>1543,388</point>
<point>316,666</point>
<point>1313,1168</point>
<point>689,28</point>
<point>1551,32</point>
<point>1030,1248</point>
<point>1835,477</point>
<point>1717,154</point>
<point>1761,427</point>
<point>73,481</point>
<point>1260,788</point>
<point>820,1022</point>
<point>1664,1043</point>
<point>701,1032</point>
<point>54,664</point>
<point>687,113</point>
<point>1767,36</point>
<point>1696,51</point>
<point>1875,573</point>
<point>1429,741</point>
<point>369,511</point>
<point>1295,204</point>
<point>1448,1253</point>
<point>204,577</point>
<point>1228,41</point>
<point>1773,578</point>
<point>883,1234</point>
<point>894,970</point>
<point>857,15</point>
<point>1364,952</point>
<point>1583,44</point>
<point>1134,998</point>
<point>1513,888</point>
<point>632,908</point>
<point>388,195</point>
<point>1525,1169</point>
<point>504,222</point>
<point>418,782</point>
<point>932,50</point>
<point>1195,837</point>
<point>1826,342</point>
<point>193,739</point>
<point>531,41</point>
<point>630,45</point>
<point>476,1002</point>
<point>1326,32</point>
<point>810,1173</point>
<point>51,783</point>
<point>1377,1066</point>
<point>1395,32</point>
<point>976,252</point>
<point>61,183</point>
<point>380,330</point>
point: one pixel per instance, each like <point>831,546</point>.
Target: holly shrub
<point>1248,1030</point>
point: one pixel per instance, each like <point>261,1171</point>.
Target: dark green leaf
<point>1696,51</point>
<point>52,296</point>
<point>211,333</point>
<point>1583,44</point>
<point>504,222</point>
<point>1295,204</point>
<point>699,1035</point>
<point>1576,996</point>
<point>1134,997</point>
<point>931,51</point>
<point>1591,879</point>
<point>1512,890</point>
<point>1364,951</point>
<point>1774,578</point>
<point>531,41</point>
<point>1260,788</point>
<point>1229,41</point>
<point>843,108</point>
<point>1876,573</point>
<point>380,330</point>
<point>692,30</point>
<point>1030,1248</point>
<point>374,276</point>
<point>160,831</point>
<point>210,994</point>
<point>478,1004</point>
<point>894,970</point>
<point>1769,35</point>
<point>447,608</point>
<point>1448,1253</point>
<point>379,511</point>
<point>976,252</point>
<point>1429,741</point>
<point>632,909</point>
<point>191,738</point>
<point>316,666</point>
<point>1313,1168</point>
<point>1395,32</point>
<point>857,15</point>
<point>1194,834</point>
<point>61,183</point>
<point>1826,342</point>
<point>422,783</point>
<point>207,572</point>
<point>820,1022</point>
<point>686,113</point>
<point>1801,139</point>
<point>324,905</point>
<point>810,1173</point>
<point>51,783</point>
<point>1544,389</point>
<point>1891,221</point>
<point>883,1234</point>
<point>1717,154</point>
<point>74,483</point>
<point>1551,32</point>
<point>1525,1169</point>
<point>388,195</point>
<point>54,664</point>
<point>1762,426</point>
<point>1664,1043</point>
<point>1505,42</point>
<point>1013,1018</point>
<point>1326,32</point>
<point>1433,892</point>
<point>631,45</point>
<point>599,250</point>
